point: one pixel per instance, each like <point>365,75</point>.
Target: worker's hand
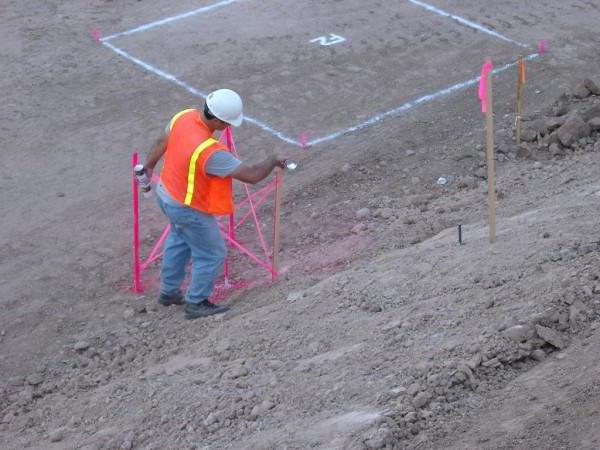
<point>279,161</point>
<point>149,173</point>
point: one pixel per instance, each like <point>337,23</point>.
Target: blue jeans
<point>193,235</point>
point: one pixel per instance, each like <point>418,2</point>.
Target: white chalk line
<point>372,121</point>
<point>166,20</point>
<point>169,77</point>
<point>409,105</point>
<point>466,22</point>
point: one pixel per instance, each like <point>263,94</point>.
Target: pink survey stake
<point>96,34</point>
<point>303,140</point>
<point>137,270</point>
<point>543,46</point>
<point>486,69</point>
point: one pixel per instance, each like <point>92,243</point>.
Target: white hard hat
<point>226,105</point>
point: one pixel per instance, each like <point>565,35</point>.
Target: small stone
<point>561,109</point>
<point>475,361</point>
<point>529,135</point>
<point>591,86</point>
<point>540,126</point>
<point>494,362</point>
<point>537,165</point>
<point>35,379</point>
<point>375,309</point>
<point>551,336</point>
<point>538,355</point>
<point>57,435</point>
<point>8,417</point>
<point>550,139</point>
<point>581,91</point>
<point>410,152</point>
<point>481,173</point>
<point>235,372</point>
<point>523,152</point>
<point>519,333</point>
<point>128,313</point>
<point>413,389</point>
<point>386,213</point>
<point>411,417</point>
<point>546,235</point>
<point>16,381</point>
<point>81,346</point>
<point>127,443</point>
<point>383,438</point>
<point>594,123</point>
<point>576,311</point>
<point>591,113</point>
<point>294,296</point>
<point>556,150</point>
<point>421,399</point>
<point>574,129</point>
<point>363,213</point>
<point>261,409</point>
<point>588,291</point>
<point>394,324</point>
<point>212,418</point>
<point>345,168</point>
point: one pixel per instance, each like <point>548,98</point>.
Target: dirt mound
<point>394,352</point>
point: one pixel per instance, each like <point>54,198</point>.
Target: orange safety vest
<point>189,146</point>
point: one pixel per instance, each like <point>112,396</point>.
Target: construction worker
<point>195,186</point>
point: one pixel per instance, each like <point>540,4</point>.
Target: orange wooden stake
<point>276,223</point>
<point>521,79</point>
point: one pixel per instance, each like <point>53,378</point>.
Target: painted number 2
<point>326,41</point>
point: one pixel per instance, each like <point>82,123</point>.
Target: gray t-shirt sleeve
<point>222,164</point>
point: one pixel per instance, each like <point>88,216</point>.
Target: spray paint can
<point>143,181</point>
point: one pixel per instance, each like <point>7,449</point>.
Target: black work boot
<point>203,309</point>
<point>171,299</point>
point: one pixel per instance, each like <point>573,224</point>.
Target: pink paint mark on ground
<point>96,34</point>
<point>542,46</point>
<point>222,291</point>
<point>303,139</point>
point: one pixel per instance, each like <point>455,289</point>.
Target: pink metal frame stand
<point>251,202</point>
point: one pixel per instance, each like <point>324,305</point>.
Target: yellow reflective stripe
<point>177,116</point>
<point>192,170</point>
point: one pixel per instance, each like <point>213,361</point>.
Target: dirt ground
<point>382,332</point>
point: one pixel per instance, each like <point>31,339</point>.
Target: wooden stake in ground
<point>520,84</point>
<point>489,128</point>
<point>276,221</point>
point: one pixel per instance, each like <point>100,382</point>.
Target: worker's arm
<point>157,152</point>
<point>257,172</point>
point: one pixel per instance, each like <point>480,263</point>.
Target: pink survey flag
<point>485,70</point>
<point>96,34</point>
<point>303,140</point>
